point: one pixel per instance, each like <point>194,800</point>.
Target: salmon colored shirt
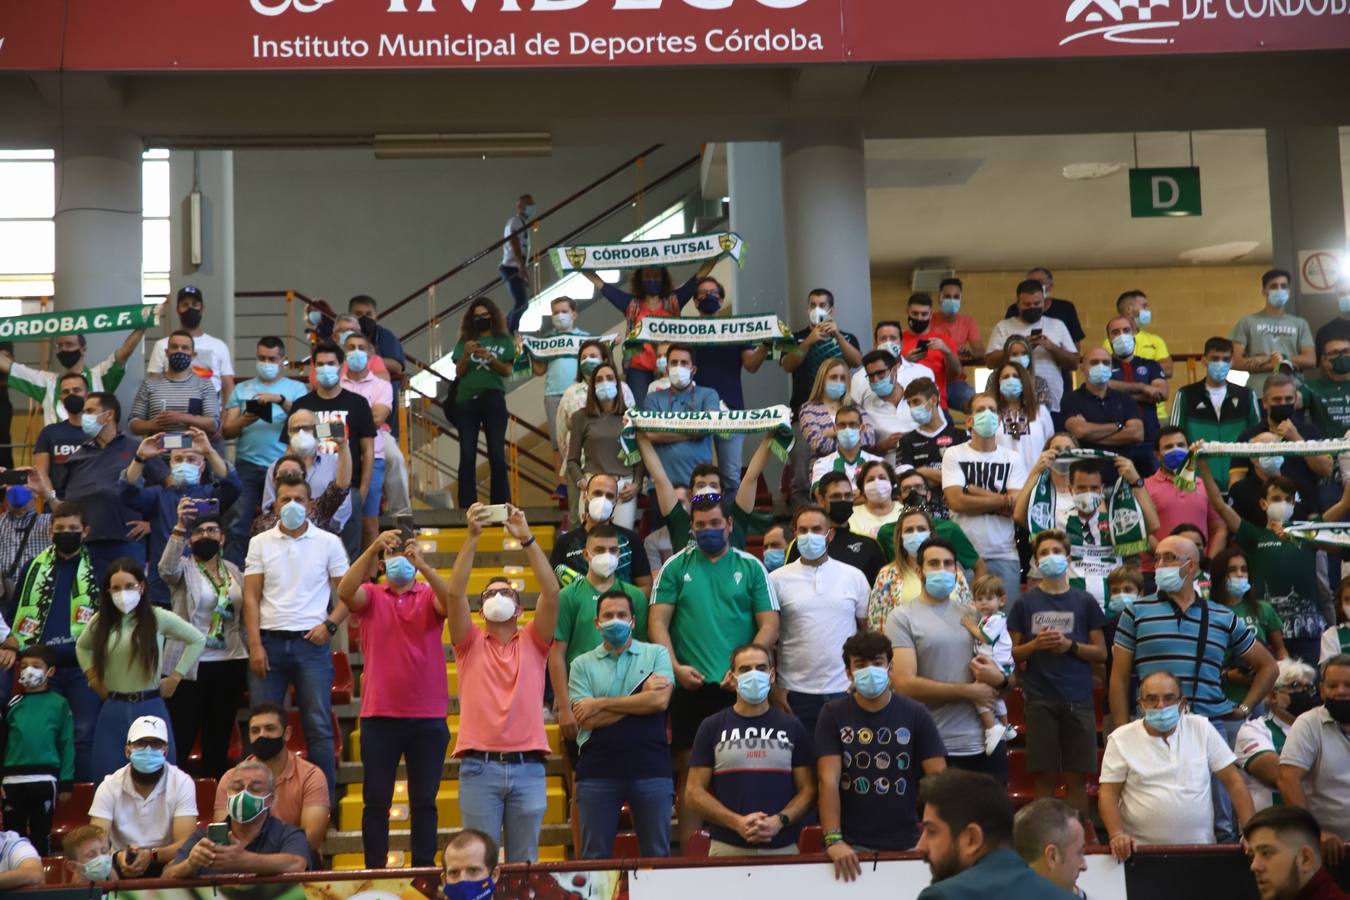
<point>501,692</point>
<point>300,784</point>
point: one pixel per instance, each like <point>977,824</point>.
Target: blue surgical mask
<point>914,540</point>
<point>922,414</point>
<point>147,760</point>
<point>292,515</point>
<point>939,585</point>
<point>268,371</point>
<point>871,681</point>
<point>1022,359</point>
<point>1163,719</point>
<point>711,540</point>
<point>342,337</point>
<point>1099,374</point>
<point>90,424</point>
<point>1145,317</point>
<point>835,389</point>
<point>883,387</point>
<point>985,423</point>
<point>753,686</point>
<point>530,210</point>
<point>848,438</point>
<point>774,557</point>
<point>1174,459</point>
<point>951,306</point>
<point>357,360</point>
<point>1218,370</point>
<point>1053,565</point>
<point>469,890</point>
<point>326,375</point>
<point>1278,297</point>
<point>1238,587</point>
<point>1118,603</point>
<point>99,868</point>
<point>1122,345</point>
<point>1169,579</point>
<point>606,390</point>
<point>811,546</point>
<point>616,632</point>
<point>1010,387</point>
<point>185,473</point>
<point>399,570</point>
<point>1271,465</point>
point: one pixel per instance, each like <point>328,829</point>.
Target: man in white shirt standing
<point>822,603</point>
<point>516,260</point>
<point>883,400</point>
<point>1315,760</point>
<point>1052,349</point>
<point>289,576</point>
<point>886,336</point>
<point>213,358</point>
<point>1155,780</point>
<point>980,482</point>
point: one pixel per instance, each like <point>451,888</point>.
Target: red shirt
<point>936,360</point>
<point>1322,887</point>
<point>962,329</point>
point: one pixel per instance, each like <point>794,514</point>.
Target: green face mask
<point>244,807</point>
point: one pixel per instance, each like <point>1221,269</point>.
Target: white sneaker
<point>992,737</point>
<point>1010,733</point>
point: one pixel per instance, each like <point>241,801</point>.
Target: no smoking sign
<point>1319,271</point>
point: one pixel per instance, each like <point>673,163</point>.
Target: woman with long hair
<point>589,356</point>
<point>593,445</point>
<point>829,392</point>
<point>1231,587</point>
<point>1017,349</point>
<point>1026,422</point>
<point>876,487</point>
<point>477,401</point>
<point>120,653</point>
<point>900,582</point>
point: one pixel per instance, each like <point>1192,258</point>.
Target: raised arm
<point>458,616</point>
<point>1023,503</point>
<point>546,608</point>
<point>665,491</point>
<point>1229,515</point>
<point>350,590</point>
<point>749,487</point>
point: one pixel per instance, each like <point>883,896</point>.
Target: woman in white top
<point>876,485</point>
<point>1026,423</point>
<point>589,357</point>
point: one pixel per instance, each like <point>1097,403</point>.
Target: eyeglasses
<point>1155,702</point>
<point>499,589</point>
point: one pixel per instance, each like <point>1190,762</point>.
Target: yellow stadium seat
<point>447,807</point>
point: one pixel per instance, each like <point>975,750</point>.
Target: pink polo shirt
<point>1176,507</point>
<point>501,692</point>
<point>404,673</point>
<point>377,392</point>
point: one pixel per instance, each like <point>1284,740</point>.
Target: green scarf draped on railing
<point>774,419</point>
<point>1128,535</point>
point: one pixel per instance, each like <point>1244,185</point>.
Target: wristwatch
<point>1245,710</point>
<point>783,818</point>
<point>330,625</point>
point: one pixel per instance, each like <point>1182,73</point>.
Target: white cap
<point>148,727</point>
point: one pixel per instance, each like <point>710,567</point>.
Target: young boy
<point>1124,587</point>
<point>88,851</point>
<point>990,631</point>
<point>39,753</point>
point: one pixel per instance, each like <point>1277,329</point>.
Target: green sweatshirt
<point>40,737</point>
<point>121,674</point>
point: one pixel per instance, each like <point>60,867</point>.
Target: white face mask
<point>126,600</point>
<point>680,376</point>
<point>599,509</point>
<point>1280,511</point>
<point>499,607</point>
<point>304,443</point>
<point>562,321</point>
<point>1087,503</point>
<point>604,564</point>
<point>878,490</point>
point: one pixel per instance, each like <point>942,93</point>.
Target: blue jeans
<point>638,381</point>
<point>110,732</point>
<point>487,413</point>
<point>959,395</point>
<point>251,477</point>
<point>69,682</point>
<point>494,795</point>
<point>1225,825</point>
<point>422,743</point>
<point>370,506</point>
<point>729,462</point>
<point>599,801</point>
<point>520,296</point>
<point>1010,572</point>
<point>807,707</point>
<point>295,661</point>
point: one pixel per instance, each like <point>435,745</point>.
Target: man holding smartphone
<point>1052,348</point>
<point>179,400</point>
<point>930,346</point>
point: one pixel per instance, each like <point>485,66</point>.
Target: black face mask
<point>67,542</point>
<point>914,497</point>
<point>69,358</point>
<point>483,323</point>
<point>841,511</point>
<point>368,327</point>
<point>1339,709</point>
<point>918,326</point>
<point>1341,365</point>
<point>266,748</point>
<point>1301,701</point>
<point>190,317</point>
<point>1031,316</point>
<point>206,548</point>
<point>1281,412</point>
<point>73,404</point>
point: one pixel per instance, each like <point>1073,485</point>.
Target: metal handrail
<point>528,426</point>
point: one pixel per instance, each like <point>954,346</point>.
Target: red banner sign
<point>231,35</point>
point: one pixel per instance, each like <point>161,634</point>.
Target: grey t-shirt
<point>944,650</point>
<point>1260,334</point>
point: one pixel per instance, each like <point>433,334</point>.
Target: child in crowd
<point>39,750</point>
<point>989,627</point>
<point>1124,585</point>
<point>88,851</point>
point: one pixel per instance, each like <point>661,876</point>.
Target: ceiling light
<point>1090,170</point>
<point>1219,253</point>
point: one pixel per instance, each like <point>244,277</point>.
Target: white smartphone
<point>496,514</point>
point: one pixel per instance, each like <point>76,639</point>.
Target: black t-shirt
<point>882,754</point>
<point>351,409</point>
<point>719,368</point>
<point>1064,310</point>
<point>570,551</point>
<point>924,451</point>
<point>59,440</point>
<point>858,550</point>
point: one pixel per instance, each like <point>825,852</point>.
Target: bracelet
<point>529,543</point>
<point>1073,648</point>
<point>833,838</point>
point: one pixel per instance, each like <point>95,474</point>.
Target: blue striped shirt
<point>1163,638</point>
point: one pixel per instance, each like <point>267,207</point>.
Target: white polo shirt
<point>296,573</point>
<point>1165,796</point>
<point>144,821</point>
<point>1317,745</point>
<point>818,609</point>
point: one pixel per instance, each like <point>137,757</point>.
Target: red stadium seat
<point>297,741</point>
<point>54,871</point>
<point>206,801</point>
<point>626,846</point>
<point>699,844</point>
<point>1021,786</point>
<point>811,840</point>
<point>74,812</point>
<point>353,634</point>
<point>236,742</point>
<point>342,679</point>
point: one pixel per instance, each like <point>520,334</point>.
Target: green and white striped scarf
<point>1185,477</point>
<point>713,330</point>
<point>633,254</point>
<point>775,419</point>
<point>1128,535</point>
<point>1322,534</point>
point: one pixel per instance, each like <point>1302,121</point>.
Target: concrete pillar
<point>211,172</point>
<point>825,215</point>
<point>98,233</point>
<point>1307,207</point>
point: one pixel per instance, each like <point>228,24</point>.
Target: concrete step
<point>456,518</point>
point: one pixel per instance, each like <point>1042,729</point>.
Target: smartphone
<point>330,431</point>
<point>1035,332</point>
<point>207,507</point>
<point>496,514</point>
<point>14,476</point>
<point>923,346</point>
<point>218,833</point>
<point>407,531</point>
<point>176,442</point>
<point>196,407</point>
<point>260,409</point>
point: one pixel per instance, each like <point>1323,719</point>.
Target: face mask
<point>1278,297</point>
<point>661,364</point>
<point>939,585</point>
<point>1145,317</point>
<point>469,890</point>
<point>606,390</point>
<point>1280,511</point>
<point>922,415</point>
<point>69,358</point>
<point>653,286</point>
<point>1169,579</point>
<point>1164,719</point>
<point>179,362</point>
<point>326,375</point>
<point>985,423</point>
<point>835,389</point>
<point>1271,465</point>
<point>190,317</point>
<point>918,326</point>
<point>146,760</point>
<point>604,564</point>
<point>399,570</point>
<point>891,347</point>
<point>1053,565</point>
<point>951,306</point>
<point>914,540</point>
<point>599,509</point>
<point>266,748</point>
<point>878,490</point>
<point>884,387</point>
<point>342,337</point>
<point>67,542</point>
<point>293,514</point>
<point>1099,374</point>
<point>18,496</point>
<point>848,438</point>
<point>680,376</point>
<point>811,546</point>
<point>841,511</point>
<point>1238,587</point>
<point>126,600</point>
<point>1062,466</point>
<point>1022,359</point>
<point>616,632</point>
<point>499,607</point>
<point>1010,387</point>
<point>185,473</point>
<point>753,687</point>
<point>268,371</point>
<point>304,443</point>
<point>482,323</point>
<point>73,404</point>
<point>711,540</point>
<point>1174,459</point>
<point>1118,603</point>
<point>90,424</point>
<point>1280,412</point>
<point>1339,709</point>
<point>1341,365</point>
<point>99,868</point>
<point>1123,345</point>
<point>819,314</point>
<point>32,677</point>
<point>205,549</point>
<point>774,557</point>
<point>562,321</point>
<point>1218,370</point>
<point>530,210</point>
<point>357,360</point>
<point>1301,701</point>
<point>590,364</point>
<point>246,806</point>
<point>710,303</point>
<point>871,681</point>
<point>1087,503</point>
<point>1031,316</point>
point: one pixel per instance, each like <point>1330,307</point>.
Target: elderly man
<point>1315,761</point>
<point>322,468</point>
<point>1286,858</point>
<point>1101,418</point>
<point>1260,740</point>
<point>1049,837</point>
<point>258,843</point>
<point>1155,780</point>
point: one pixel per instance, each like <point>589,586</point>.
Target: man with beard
<point>966,839</point>
<point>834,493</point>
<point>1286,856</point>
